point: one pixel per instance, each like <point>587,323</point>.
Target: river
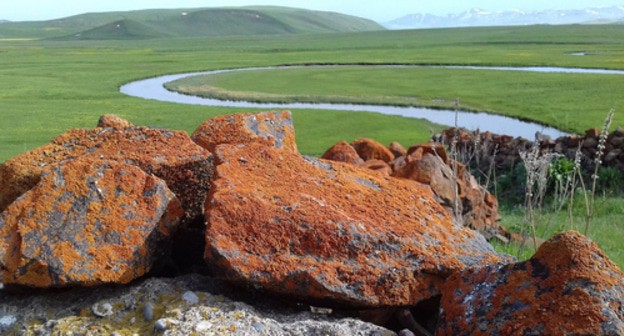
<point>153,88</point>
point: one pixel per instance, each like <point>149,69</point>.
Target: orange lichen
<point>171,155</point>
<point>86,222</point>
<point>342,152</point>
<point>359,234</point>
<point>567,287</point>
<point>272,128</point>
<point>369,149</point>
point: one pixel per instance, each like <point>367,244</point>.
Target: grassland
<point>48,86</point>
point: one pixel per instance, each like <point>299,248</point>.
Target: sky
<point>380,11</point>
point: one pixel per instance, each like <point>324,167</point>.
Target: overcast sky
<point>381,11</point>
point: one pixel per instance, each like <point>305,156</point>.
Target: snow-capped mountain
<point>481,17</point>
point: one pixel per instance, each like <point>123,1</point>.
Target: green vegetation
<point>550,98</point>
<point>606,229</point>
<point>50,85</point>
<point>169,23</point>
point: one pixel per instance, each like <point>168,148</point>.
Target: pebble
<point>164,324</point>
<point>114,333</point>
<point>148,311</point>
<point>258,326</point>
<point>203,326</point>
<point>102,309</point>
<point>190,297</point>
<point>50,324</point>
<point>160,325</point>
<point>7,322</point>
<point>406,332</point>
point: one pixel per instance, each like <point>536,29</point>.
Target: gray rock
<point>102,309</point>
<point>148,311</point>
<point>172,315</point>
<point>190,297</point>
<point>6,322</point>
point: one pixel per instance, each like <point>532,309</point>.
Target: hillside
<point>160,23</point>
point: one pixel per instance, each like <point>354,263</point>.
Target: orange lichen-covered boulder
<point>342,152</point>
<point>272,128</point>
<point>569,287</point>
<point>397,149</point>
<point>322,230</point>
<point>455,188</point>
<point>377,165</point>
<point>113,121</point>
<point>369,149</point>
<point>86,222</point>
<point>170,155</point>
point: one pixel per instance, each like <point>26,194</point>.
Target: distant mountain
<point>161,23</point>
<point>514,17</point>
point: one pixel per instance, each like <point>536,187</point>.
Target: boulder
<point>170,155</point>
<point>454,187</point>
<point>417,152</point>
<point>272,128</point>
<point>342,152</point>
<point>328,231</point>
<point>86,222</point>
<point>377,165</point>
<point>397,149</point>
<point>369,149</point>
<point>569,287</point>
<point>113,121</point>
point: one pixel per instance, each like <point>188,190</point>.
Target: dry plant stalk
<point>536,166</point>
<point>590,198</point>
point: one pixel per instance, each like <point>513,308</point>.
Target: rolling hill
<point>162,23</point>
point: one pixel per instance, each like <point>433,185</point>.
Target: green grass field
<point>48,86</point>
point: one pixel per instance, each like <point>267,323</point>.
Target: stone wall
<point>484,147</point>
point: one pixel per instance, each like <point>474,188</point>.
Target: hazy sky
<point>385,10</point>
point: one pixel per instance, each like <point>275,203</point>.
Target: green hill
<point>160,23</point>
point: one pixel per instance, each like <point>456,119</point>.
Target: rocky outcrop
<point>330,232</point>
<point>452,184</point>
<point>186,305</point>
<point>569,287</point>
<point>271,128</point>
<point>85,223</point>
<point>170,155</point>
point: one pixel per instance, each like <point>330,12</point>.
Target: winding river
<point>153,88</point>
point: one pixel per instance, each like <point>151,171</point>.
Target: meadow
<point>49,86</point>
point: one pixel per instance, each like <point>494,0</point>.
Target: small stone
<point>190,297</point>
<point>148,311</point>
<point>1,286</point>
<point>133,320</point>
<point>161,325</point>
<point>203,326</point>
<point>102,309</point>
<point>7,322</point>
<point>115,333</point>
<point>164,324</point>
<point>258,326</point>
<point>320,310</point>
<point>406,332</point>
<point>51,324</point>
